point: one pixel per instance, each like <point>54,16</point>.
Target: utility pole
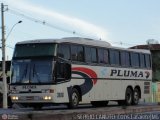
<point>3,60</point>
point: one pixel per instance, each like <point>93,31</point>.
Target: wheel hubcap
<point>129,98</point>
<point>136,97</point>
<point>75,99</point>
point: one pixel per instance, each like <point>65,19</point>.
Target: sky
<point>123,23</point>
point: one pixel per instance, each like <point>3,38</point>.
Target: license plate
<point>30,98</point>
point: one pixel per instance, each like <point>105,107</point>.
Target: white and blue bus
<point>76,70</point>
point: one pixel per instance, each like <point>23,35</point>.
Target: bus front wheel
<point>74,98</point>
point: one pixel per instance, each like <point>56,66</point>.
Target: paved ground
<point>83,112</point>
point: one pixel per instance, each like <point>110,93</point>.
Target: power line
<point>44,22</point>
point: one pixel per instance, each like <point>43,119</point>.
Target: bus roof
<point>79,40</point>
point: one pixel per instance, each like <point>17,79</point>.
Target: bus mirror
<point>67,71</point>
<point>63,70</point>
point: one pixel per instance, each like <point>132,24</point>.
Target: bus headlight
<point>14,98</point>
<point>47,97</point>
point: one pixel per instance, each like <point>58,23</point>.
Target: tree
<point>152,41</point>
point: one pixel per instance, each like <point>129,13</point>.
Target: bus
<point>76,70</point>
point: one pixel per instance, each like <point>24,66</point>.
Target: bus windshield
<point>27,71</point>
<point>34,50</point>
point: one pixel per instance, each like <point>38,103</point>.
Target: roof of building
<point>148,47</point>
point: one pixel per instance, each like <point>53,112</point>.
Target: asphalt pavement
<point>84,112</point>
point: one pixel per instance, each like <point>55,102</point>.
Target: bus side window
<point>106,57</point>
<point>64,51</point>
<point>87,54</point>
<point>93,55</point>
<point>100,55</point>
<point>74,52</point>
<point>148,61</point>
<point>142,60</point>
<point>135,62</point>
<point>125,59</point>
<point>114,57</point>
<point>103,56</point>
<point>77,53</point>
<point>80,54</point>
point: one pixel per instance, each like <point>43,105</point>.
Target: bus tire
<point>99,103</point>
<point>128,96</point>
<point>74,98</point>
<point>136,97</point>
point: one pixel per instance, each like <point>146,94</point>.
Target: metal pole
<point>3,60</point>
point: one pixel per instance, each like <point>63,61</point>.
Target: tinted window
<point>34,50</point>
<point>93,55</point>
<point>64,51</point>
<point>74,53</point>
<point>142,60</point>
<point>80,54</point>
<point>148,61</point>
<point>102,56</point>
<point>90,54</point>
<point>77,53</point>
<point>114,57</point>
<point>87,54</point>
<point>125,59</point>
<point>106,57</point>
<point>135,59</point>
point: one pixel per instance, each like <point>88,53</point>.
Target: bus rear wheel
<point>74,99</point>
<point>128,96</point>
<point>136,97</point>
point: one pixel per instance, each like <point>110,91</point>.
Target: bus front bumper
<point>33,98</point>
